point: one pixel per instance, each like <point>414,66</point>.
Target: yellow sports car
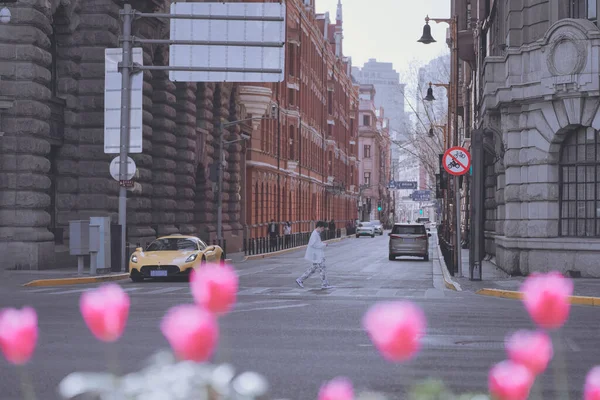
<point>170,256</point>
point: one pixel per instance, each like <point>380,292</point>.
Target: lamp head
<point>426,38</point>
<point>429,96</point>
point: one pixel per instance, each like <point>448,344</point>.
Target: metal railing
<point>270,244</point>
<point>448,254</point>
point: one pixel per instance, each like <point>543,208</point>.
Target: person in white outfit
<point>315,253</point>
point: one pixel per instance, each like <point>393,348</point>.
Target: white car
<point>378,227</point>
<point>365,229</point>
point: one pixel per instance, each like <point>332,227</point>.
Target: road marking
<point>365,345</point>
<point>40,290</point>
<point>71,291</point>
<point>386,293</point>
<point>272,308</point>
<point>571,343</point>
<point>165,290</point>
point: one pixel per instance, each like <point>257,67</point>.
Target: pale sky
<point>388,30</point>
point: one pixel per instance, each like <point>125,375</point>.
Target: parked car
<point>409,240</point>
<point>170,256</point>
<point>378,227</point>
<point>365,229</point>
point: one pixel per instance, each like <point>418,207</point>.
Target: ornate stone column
<point>163,152</point>
<point>204,209</point>
<point>187,156</point>
<point>25,241</point>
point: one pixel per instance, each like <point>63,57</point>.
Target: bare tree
<point>423,134</point>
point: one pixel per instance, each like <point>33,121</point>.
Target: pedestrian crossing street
<point>291,292</point>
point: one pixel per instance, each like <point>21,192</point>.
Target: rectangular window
<point>367,178</point>
<point>367,151</point>
<point>366,120</point>
<point>592,9</point>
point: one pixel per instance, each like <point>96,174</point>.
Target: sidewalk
<point>494,278</point>
<point>66,276</point>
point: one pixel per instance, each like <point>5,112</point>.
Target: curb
<point>77,281</point>
<point>280,252</point>
<point>511,294</point>
<point>450,284</point>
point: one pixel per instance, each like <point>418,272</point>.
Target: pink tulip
<point>395,329</point>
<point>510,381</point>
<point>18,334</point>
<point>592,384</point>
<point>339,388</point>
<point>215,287</point>
<point>105,311</point>
<point>532,349</point>
<point>546,298</point>
<point>191,331</point>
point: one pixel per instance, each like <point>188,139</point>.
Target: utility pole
<point>220,186</point>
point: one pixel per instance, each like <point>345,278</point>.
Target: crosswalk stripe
<point>166,290</point>
<point>40,290</point>
<point>71,291</point>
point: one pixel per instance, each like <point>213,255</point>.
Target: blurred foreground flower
<point>339,388</point>
<point>164,378</point>
<point>18,334</point>
<point>592,384</point>
<point>215,287</point>
<point>191,331</point>
<point>105,311</point>
<point>396,329</point>
<point>510,381</point>
<point>546,298</point>
<point>531,349</point>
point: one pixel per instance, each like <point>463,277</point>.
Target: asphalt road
<point>300,337</point>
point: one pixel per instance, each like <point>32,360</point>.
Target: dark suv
<point>409,240</point>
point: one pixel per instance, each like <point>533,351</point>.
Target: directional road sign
<point>113,86</point>
<point>254,48</point>
<point>456,161</point>
<point>402,185</point>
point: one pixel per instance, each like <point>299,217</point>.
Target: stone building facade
<point>302,166</point>
<point>531,74</point>
<point>375,158</point>
<point>53,168</point>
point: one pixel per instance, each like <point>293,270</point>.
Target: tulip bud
<point>105,311</point>
<point>18,334</point>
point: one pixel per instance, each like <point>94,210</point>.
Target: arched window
<point>580,184</point>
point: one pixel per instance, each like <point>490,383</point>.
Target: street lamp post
<point>426,38</point>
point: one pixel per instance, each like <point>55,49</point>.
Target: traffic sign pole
<point>126,69</point>
<point>457,161</point>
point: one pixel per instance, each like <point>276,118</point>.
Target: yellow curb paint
<point>511,294</point>
<point>76,281</point>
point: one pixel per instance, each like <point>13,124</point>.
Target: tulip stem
<point>26,384</point>
<point>561,384</point>
<point>112,359</point>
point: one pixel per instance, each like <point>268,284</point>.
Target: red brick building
<point>301,167</point>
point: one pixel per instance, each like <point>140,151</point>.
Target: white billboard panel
<point>112,102</point>
<point>217,56</point>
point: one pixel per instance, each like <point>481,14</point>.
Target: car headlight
<point>134,258</point>
<point>191,258</point>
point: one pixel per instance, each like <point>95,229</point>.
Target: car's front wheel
<point>392,257</point>
<point>426,258</point>
<point>373,235</point>
<point>136,278</point>
<point>222,260</point>
<point>357,236</point>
